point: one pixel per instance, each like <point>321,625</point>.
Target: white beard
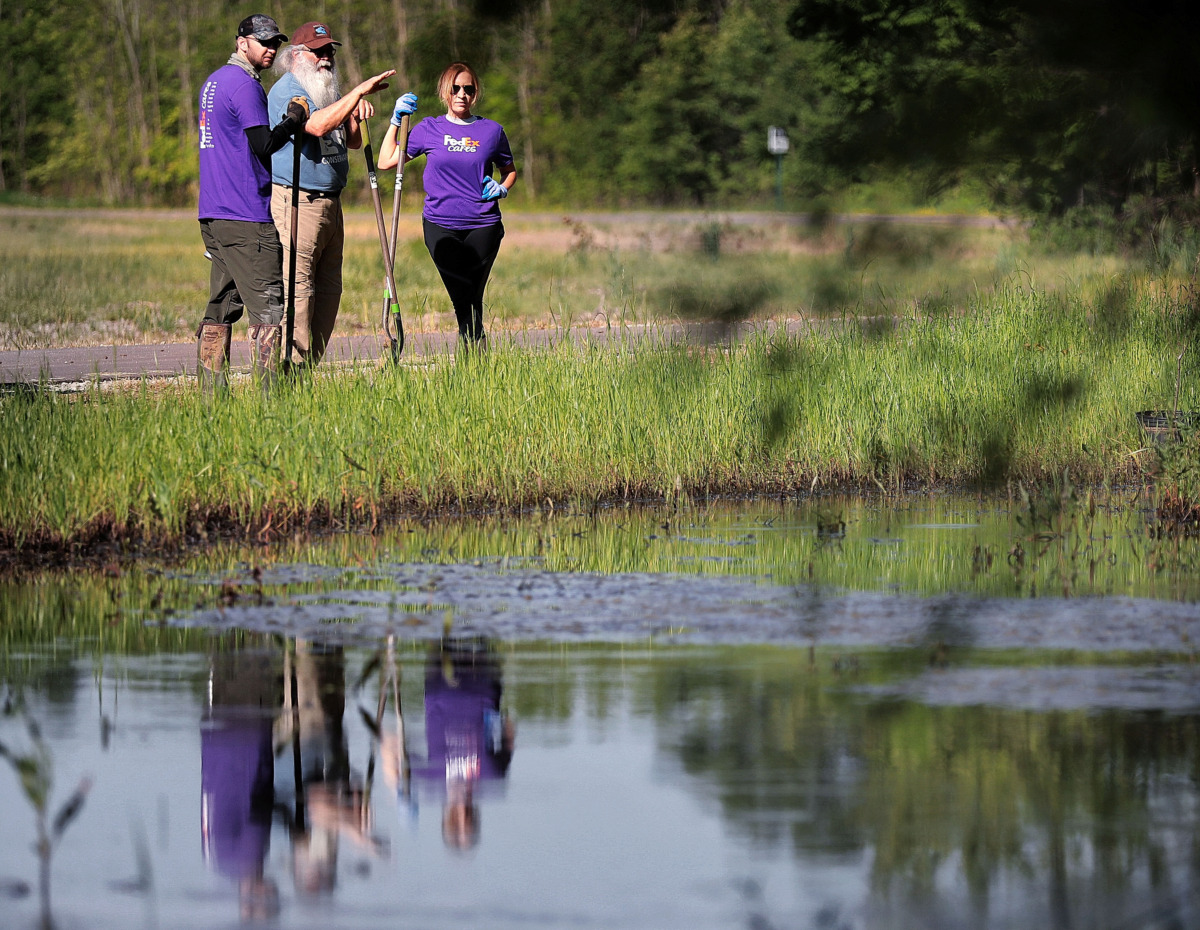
<point>319,83</point>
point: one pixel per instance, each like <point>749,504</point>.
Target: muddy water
<point>948,712</point>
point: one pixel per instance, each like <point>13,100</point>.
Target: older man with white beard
<point>308,71</point>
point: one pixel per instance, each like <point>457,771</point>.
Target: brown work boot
<point>212,356</point>
<point>264,349</point>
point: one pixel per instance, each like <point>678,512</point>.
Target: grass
<point>1024,384</point>
<point>103,277</point>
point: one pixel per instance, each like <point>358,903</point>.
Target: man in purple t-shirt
<point>236,144</point>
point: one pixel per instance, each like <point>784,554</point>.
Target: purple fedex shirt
<point>234,184</point>
<point>460,157</point>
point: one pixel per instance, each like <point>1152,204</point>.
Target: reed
<point>1023,385</point>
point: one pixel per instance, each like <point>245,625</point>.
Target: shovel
<point>290,328</point>
<point>396,342</point>
<point>391,297</point>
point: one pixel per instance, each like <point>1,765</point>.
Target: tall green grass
<point>1024,384</point>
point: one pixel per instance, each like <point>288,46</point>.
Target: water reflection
<point>237,781</point>
<point>680,787</point>
<point>973,815</point>
<point>284,704</point>
<point>469,739</point>
<point>760,718</point>
<point>274,749</point>
<point>331,799</point>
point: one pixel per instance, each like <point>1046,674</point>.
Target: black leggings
<point>464,259</point>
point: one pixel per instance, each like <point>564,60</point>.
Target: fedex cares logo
<point>207,98</point>
<point>465,144</point>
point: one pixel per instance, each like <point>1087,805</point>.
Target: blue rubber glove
<point>405,106</point>
<point>493,189</point>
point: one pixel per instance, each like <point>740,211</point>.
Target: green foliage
<point>668,141</point>
<point>31,113</point>
<point>1045,106</point>
<point>1145,230</point>
<point>1178,466</point>
<point>1056,104</point>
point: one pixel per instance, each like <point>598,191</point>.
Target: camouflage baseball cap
<point>262,27</point>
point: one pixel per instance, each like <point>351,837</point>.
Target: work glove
<point>493,189</point>
<point>297,110</point>
<point>406,105</point>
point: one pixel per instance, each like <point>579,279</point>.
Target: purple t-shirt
<point>460,157</point>
<point>234,184</point>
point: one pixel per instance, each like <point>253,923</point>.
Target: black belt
<point>316,195</point>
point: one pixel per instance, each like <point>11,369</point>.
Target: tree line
<point>1041,105</point>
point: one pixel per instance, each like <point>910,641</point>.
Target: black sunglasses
<point>270,43</point>
<point>468,89</point>
<point>325,51</point>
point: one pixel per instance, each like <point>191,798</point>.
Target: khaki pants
<point>320,235</point>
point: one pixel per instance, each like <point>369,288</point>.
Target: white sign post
<point>777,145</point>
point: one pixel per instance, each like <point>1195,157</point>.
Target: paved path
<point>76,368</point>
<point>81,365</point>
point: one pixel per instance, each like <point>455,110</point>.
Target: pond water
<point>944,711</point>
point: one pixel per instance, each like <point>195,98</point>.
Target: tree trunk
<point>524,97</point>
<point>129,23</point>
<point>3,186</point>
<point>400,16</point>
<point>451,8</point>
<point>155,97</point>
<point>21,115</point>
<point>187,93</point>
<point>349,61</point>
<point>112,177</point>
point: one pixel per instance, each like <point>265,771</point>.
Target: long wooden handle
<point>293,242</point>
<point>397,341</point>
<point>402,142</point>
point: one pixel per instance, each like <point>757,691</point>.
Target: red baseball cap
<point>313,36</point>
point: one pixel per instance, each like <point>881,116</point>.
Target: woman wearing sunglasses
<point>462,211</point>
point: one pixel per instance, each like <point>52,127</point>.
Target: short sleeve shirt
<point>234,184</point>
<point>460,156</point>
<point>324,163</point>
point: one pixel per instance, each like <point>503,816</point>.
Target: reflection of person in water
<point>333,800</point>
<point>470,743</point>
<point>237,774</point>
